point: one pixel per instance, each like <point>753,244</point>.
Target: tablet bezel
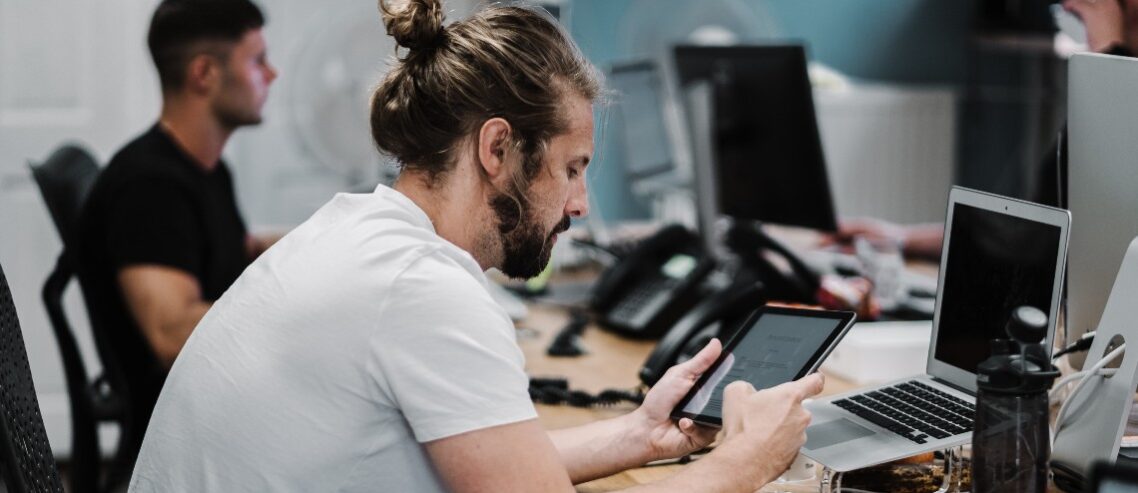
<point>845,321</point>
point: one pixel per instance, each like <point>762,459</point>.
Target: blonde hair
<point>512,62</point>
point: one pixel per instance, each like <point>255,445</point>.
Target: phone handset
<point>759,253</point>
<point>718,315</point>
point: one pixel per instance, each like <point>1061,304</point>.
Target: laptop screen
<point>996,262</point>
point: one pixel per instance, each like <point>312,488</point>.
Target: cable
<point>567,342</point>
<point>1061,417</point>
<point>1067,478</point>
<point>1083,344</point>
<point>556,391</point>
<point>1056,391</point>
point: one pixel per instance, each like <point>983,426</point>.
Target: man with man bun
<point>363,352</point>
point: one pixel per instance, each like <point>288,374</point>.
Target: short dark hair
<point>182,29</point>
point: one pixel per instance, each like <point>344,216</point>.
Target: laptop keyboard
<point>913,410</point>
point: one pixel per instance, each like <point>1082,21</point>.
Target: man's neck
<point>459,216</point>
<point>196,131</point>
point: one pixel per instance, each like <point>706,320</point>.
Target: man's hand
<point>771,424</point>
<point>667,438</point>
<point>870,228</point>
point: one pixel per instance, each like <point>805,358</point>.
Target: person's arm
<point>513,457</point>
<point>520,458</point>
<point>256,244</point>
<point>918,240</point>
<point>166,303</point>
<point>762,434</point>
<point>606,447</point>
<point>155,245</point>
<point>923,240</point>
<point>1104,22</point>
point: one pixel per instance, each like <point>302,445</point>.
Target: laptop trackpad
<point>833,432</point>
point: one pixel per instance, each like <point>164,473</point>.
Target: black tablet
<point>774,346</point>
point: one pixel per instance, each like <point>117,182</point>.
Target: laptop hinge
<point>952,385</point>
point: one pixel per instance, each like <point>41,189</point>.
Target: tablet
<point>774,346</point>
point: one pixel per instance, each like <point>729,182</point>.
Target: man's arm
<point>762,434</point>
<point>166,303</point>
<point>513,457</point>
<point>606,447</point>
<point>256,244</point>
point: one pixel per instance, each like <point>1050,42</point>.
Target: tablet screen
<point>775,346</point>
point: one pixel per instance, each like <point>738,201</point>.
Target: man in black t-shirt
<point>160,237</point>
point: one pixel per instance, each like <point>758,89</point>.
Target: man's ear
<point>493,146</point>
<point>203,73</point>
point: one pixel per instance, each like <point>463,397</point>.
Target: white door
<point>70,70</point>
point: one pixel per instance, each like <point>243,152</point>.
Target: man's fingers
<point>701,435</point>
<point>734,403</point>
<point>703,359</point>
<point>809,386</point>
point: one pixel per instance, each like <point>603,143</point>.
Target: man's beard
<point>526,246</point>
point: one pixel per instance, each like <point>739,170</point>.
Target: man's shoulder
<point>146,157</point>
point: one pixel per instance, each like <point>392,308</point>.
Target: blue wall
<point>898,41</point>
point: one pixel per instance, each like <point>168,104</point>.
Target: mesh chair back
<point>25,454</point>
<point>64,180</point>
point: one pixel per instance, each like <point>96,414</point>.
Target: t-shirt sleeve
<point>446,354</point>
<point>153,222</point>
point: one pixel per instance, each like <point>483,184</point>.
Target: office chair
<point>25,454</point>
<point>64,180</point>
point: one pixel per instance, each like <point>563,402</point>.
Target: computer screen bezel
<point>1003,205</point>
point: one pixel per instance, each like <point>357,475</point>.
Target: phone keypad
<point>640,298</point>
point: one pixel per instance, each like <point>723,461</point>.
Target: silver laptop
<point>998,254</point>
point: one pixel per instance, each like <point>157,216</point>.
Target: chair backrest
<point>25,454</point>
<point>64,179</point>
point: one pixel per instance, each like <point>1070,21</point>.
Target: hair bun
<point>415,23</point>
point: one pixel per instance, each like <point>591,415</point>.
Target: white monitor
<point>1102,181</point>
<point>649,125</point>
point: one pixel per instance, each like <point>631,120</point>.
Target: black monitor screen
<point>996,262</point>
<point>769,163</point>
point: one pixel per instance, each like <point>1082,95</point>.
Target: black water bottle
<point>1011,440</point>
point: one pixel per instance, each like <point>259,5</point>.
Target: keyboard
<point>913,410</point>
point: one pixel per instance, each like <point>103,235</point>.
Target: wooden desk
<point>611,362</point>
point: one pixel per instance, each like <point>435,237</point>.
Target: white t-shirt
<point>357,337</point>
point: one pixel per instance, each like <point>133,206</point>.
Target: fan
<point>650,30</point>
<point>343,59</point>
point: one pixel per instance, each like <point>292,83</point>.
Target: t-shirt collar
<point>418,215</point>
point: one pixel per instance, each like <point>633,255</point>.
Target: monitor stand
<point>1098,414</point>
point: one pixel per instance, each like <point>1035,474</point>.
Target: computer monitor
<point>1102,181</point>
<point>644,120</point>
<point>769,164</point>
